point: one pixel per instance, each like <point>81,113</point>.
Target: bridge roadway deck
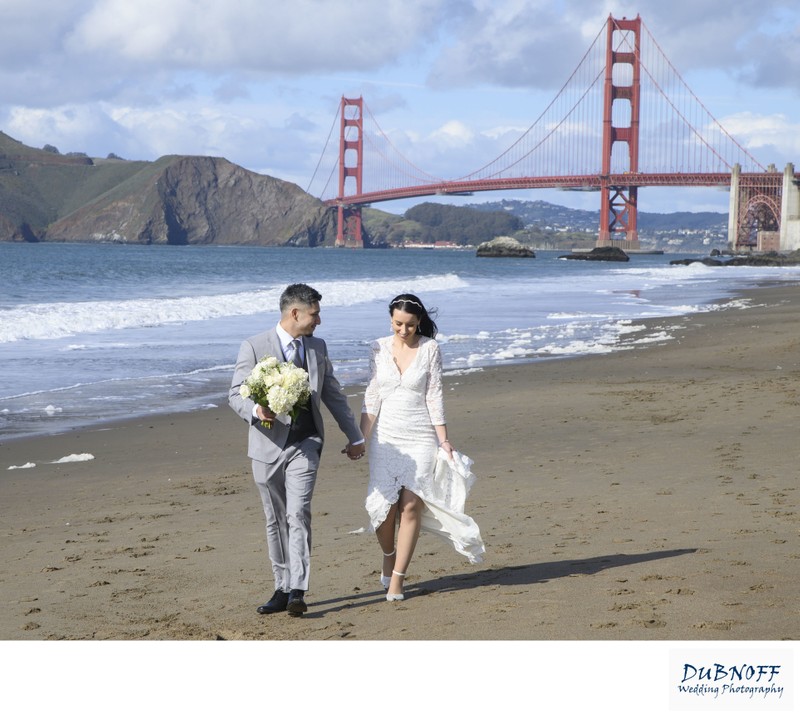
<point>578,183</point>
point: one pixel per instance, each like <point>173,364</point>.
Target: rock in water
<point>504,246</point>
<point>599,253</point>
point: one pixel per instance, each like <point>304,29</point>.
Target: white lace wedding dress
<point>403,449</point>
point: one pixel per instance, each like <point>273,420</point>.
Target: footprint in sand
<point>626,606</point>
<point>653,622</point>
<point>725,625</point>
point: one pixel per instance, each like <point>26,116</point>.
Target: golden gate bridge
<point>624,119</point>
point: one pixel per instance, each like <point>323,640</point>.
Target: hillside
<point>545,213</point>
<point>679,231</point>
<point>45,196</point>
<point>430,223</point>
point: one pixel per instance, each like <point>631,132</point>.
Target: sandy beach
<point>647,494</point>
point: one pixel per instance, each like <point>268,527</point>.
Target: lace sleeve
<point>372,396</point>
<point>433,394</point>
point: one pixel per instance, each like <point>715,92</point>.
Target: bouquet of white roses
<point>280,386</point>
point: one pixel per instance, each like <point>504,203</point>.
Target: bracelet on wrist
<point>443,442</point>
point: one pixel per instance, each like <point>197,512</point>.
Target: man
<point>286,455</point>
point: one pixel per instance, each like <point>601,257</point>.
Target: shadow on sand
<point>509,575</point>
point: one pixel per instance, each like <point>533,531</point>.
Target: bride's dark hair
<point>412,305</point>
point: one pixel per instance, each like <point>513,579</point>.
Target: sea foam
<point>61,319</point>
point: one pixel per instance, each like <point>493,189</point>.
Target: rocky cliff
<point>175,200</point>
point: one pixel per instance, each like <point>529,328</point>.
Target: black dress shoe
<point>297,606</point>
<point>277,603</point>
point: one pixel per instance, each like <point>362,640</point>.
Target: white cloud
<point>766,131</point>
<point>512,43</point>
<point>67,127</point>
<point>287,37</point>
<point>503,132</point>
<point>453,133</point>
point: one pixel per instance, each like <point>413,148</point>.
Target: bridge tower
<point>618,203</point>
<point>351,142</point>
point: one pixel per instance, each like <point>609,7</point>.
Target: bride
<point>417,480</point>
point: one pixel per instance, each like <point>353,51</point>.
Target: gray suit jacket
<point>267,444</point>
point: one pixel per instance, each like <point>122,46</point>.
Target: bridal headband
<point>407,301</point>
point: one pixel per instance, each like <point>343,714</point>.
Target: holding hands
<point>356,452</point>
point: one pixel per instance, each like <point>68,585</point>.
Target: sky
<point>259,83</point>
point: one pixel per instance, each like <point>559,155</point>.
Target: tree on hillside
<point>441,222</point>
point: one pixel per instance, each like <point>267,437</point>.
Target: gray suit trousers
<point>286,487</point>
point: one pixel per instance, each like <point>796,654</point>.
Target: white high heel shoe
<point>393,597</point>
<point>387,579</point>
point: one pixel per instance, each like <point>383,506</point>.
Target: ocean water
<point>95,333</point>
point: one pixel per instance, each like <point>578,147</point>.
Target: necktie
<point>293,353</point>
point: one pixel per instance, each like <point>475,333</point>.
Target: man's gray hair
<point>299,294</point>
